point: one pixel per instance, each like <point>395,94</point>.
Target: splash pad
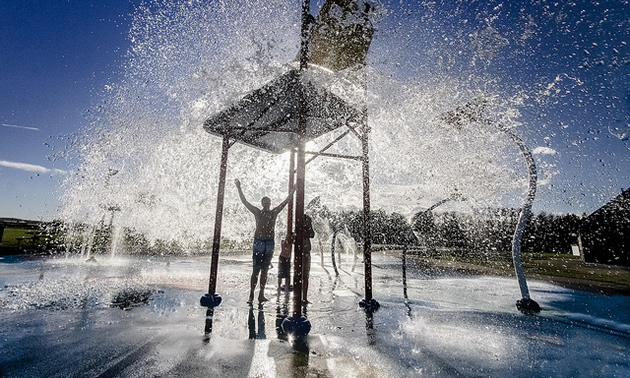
<point>59,318</point>
<point>166,184</point>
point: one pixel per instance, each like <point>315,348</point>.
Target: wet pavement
<point>129,317</point>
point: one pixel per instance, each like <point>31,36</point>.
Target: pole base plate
<point>528,306</point>
<point>210,300</point>
<point>371,305</point>
<point>299,327</point>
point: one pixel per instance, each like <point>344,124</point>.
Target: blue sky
<point>57,56</point>
<point>574,68</point>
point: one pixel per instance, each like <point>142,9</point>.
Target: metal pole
<point>306,18</point>
<point>287,243</point>
<point>300,174</point>
<point>404,277</point>
<point>367,232</point>
<point>299,230</point>
<point>291,184</point>
<point>368,303</point>
<point>404,270</point>
<point>219,216</point>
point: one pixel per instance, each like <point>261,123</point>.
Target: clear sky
<point>56,57</point>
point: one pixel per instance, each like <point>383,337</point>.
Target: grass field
<point>562,269</point>
<point>22,237</point>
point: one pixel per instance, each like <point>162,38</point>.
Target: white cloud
<point>19,127</point>
<point>544,151</point>
<point>29,167</point>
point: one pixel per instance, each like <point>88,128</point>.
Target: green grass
<point>576,269</point>
<point>12,236</point>
<point>552,265</point>
<point>548,256</point>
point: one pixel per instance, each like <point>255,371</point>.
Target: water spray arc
<point>411,237</point>
<point>472,112</point>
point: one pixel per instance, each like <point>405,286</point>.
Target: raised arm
<point>248,205</point>
<point>282,204</point>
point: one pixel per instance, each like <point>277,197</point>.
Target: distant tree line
<point>386,228</point>
<point>486,231</point>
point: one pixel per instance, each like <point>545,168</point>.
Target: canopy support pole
<point>297,325</point>
<point>291,185</point>
<point>287,243</point>
<point>369,304</point>
<point>212,299</point>
<point>299,227</point>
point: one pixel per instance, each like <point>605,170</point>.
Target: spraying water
<point>191,60</point>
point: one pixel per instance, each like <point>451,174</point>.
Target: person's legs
<point>278,292</point>
<point>258,262</point>
<point>306,271</point>
<point>252,285</point>
<point>263,283</point>
<point>282,272</point>
<point>267,256</point>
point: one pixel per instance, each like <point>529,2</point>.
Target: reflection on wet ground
<point>141,317</point>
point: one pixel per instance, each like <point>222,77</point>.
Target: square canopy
<point>268,117</point>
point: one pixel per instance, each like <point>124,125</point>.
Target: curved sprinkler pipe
<point>332,250</point>
<point>526,304</point>
<point>473,112</point>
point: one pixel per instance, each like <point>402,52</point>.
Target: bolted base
<point>528,306</point>
<point>210,300</point>
<point>296,327</point>
<point>369,306</point>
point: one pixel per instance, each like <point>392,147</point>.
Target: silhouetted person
<point>284,264</point>
<point>263,239</point>
<point>306,256</point>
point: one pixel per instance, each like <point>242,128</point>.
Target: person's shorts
<point>263,253</point>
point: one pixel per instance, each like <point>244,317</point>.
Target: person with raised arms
<point>264,236</point>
